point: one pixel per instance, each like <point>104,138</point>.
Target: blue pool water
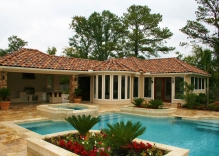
<point>200,137</point>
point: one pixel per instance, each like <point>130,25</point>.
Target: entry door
<point>162,89</point>
<point>84,84</point>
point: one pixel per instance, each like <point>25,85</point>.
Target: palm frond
<point>82,123</point>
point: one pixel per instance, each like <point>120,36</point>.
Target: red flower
<point>62,143</point>
<point>103,153</point>
<point>138,147</point>
<point>92,152</point>
<point>68,145</point>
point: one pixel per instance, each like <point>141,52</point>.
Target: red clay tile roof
<point>111,64</point>
<point>31,58</point>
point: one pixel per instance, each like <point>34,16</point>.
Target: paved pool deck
<point>13,143</point>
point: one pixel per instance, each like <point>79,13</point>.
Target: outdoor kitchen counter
<point>55,97</point>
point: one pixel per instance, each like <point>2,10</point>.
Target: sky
<point>45,23</point>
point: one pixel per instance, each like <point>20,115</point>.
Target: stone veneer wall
<point>3,79</point>
<point>72,85</point>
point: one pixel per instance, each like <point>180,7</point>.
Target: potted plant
<point>77,95</point>
<point>5,101</point>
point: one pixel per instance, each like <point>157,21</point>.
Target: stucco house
<point>32,75</point>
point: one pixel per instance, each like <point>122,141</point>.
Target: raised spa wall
<point>61,113</point>
<point>148,112</point>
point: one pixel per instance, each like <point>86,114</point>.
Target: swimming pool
<point>200,137</point>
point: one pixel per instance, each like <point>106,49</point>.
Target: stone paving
<point>13,143</point>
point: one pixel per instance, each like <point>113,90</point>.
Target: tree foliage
<point>51,51</point>
<point>205,60</point>
<point>96,37</point>
<point>207,14</point>
<point>102,35</point>
<point>15,43</point>
<point>145,37</point>
<point>71,52</point>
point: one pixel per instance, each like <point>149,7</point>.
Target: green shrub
<point>82,123</point>
<point>121,134</point>
<point>77,92</point>
<point>201,98</point>
<point>138,101</point>
<point>156,103</point>
<point>4,93</point>
<point>213,107</point>
<point>190,99</point>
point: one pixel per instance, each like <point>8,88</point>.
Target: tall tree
<point>51,51</point>
<point>107,31</point>
<point>207,14</point>
<point>15,43</point>
<point>81,41</point>
<point>145,37</point>
<point>97,37</point>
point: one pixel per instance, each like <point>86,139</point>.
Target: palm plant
<point>121,134</point>
<point>82,123</point>
<point>138,101</point>
<point>4,93</point>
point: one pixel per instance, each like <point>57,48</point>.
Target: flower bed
<point>97,144</point>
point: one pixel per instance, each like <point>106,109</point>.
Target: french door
<point>162,89</point>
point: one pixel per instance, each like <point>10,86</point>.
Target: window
<point>128,88</point>
<point>147,87</point>
<point>107,86</point>
<point>135,87</point>
<point>112,87</point>
<point>199,83</point>
<point>95,87</point>
<point>99,86</point>
<point>115,86</point>
<point>203,83</point>
<point>179,85</point>
<point>123,87</point>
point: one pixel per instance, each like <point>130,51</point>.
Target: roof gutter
<point>40,71</point>
<point>53,71</point>
<point>189,73</point>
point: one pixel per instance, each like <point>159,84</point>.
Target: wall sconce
<point>172,79</point>
<point>152,80</point>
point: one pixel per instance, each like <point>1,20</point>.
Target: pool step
<point>109,117</point>
<point>36,125</point>
<point>208,128</point>
<point>208,125</point>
